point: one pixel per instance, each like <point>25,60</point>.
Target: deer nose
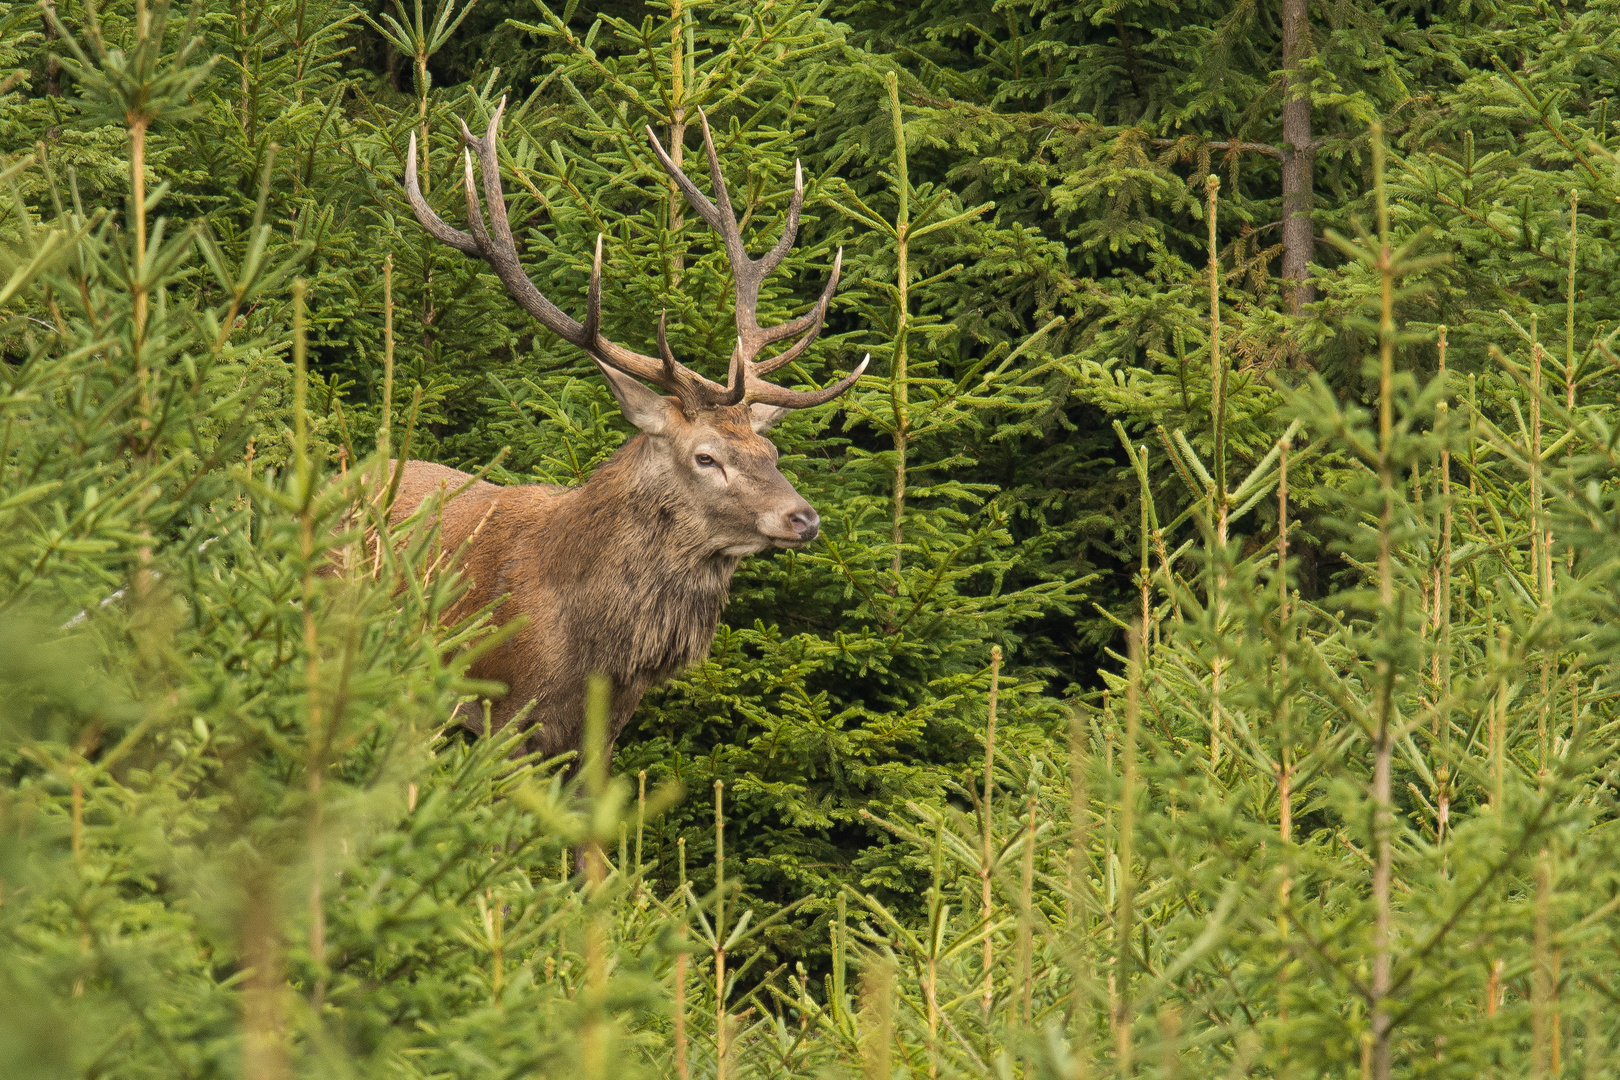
<point>804,523</point>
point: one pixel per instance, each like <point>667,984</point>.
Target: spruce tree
<point>1158,703</point>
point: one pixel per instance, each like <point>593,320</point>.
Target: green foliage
<point>1290,640</point>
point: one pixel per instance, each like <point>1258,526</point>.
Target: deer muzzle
<point>793,527</point>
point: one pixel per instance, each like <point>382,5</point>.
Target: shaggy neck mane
<point>647,589</point>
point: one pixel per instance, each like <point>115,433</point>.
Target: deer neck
<point>649,586</point>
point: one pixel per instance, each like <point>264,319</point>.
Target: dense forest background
<point>1214,608</point>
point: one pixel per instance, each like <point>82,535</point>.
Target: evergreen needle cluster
<point>1205,670</point>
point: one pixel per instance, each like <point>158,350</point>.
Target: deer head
<point>706,458</point>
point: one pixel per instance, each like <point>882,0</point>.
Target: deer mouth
<point>765,542</point>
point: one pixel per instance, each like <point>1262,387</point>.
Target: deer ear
<point>647,409</point>
<point>764,417</point>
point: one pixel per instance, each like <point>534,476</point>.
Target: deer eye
<point>705,459</point>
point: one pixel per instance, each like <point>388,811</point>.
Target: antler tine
<point>695,198</point>
<point>816,317</point>
<point>723,220</point>
<point>475,212</point>
<point>736,379</point>
<point>762,368</point>
<point>593,300</point>
<point>769,394</point>
<point>790,232</point>
<point>727,225</point>
<point>770,335</point>
<point>501,251</point>
<point>689,388</point>
<point>670,363</point>
<point>436,226</point>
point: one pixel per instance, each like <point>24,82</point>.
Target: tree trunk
<point>1297,234</point>
<point>53,70</point>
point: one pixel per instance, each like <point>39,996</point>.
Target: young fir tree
<point>1355,825</point>
<point>232,840</point>
<point>1365,835</point>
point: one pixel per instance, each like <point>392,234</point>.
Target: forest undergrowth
<point>1198,676</point>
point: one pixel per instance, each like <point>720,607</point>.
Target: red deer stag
<point>626,574</point>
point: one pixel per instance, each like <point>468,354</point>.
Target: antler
<point>745,383</point>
